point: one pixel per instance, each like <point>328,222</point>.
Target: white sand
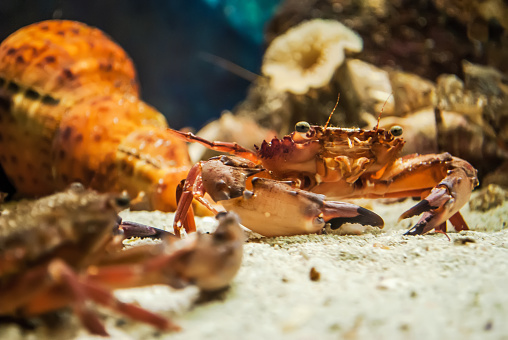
<point>374,286</point>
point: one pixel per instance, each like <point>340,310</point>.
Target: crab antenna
<point>330,116</point>
<point>381,112</point>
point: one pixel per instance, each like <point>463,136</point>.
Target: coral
<point>308,55</point>
<point>420,37</point>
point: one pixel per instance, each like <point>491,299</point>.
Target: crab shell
<point>311,157</point>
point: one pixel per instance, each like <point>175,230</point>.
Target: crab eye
<point>302,127</point>
<point>123,200</point>
<point>396,130</point>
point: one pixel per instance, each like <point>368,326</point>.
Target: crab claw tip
<point>417,209</point>
<point>350,213</point>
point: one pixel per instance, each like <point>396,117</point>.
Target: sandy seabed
<point>381,285</point>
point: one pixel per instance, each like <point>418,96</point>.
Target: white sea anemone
<point>307,56</point>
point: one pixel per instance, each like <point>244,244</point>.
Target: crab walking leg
<point>184,214</point>
<point>23,288</point>
<point>191,188</point>
<point>61,272</point>
<point>229,147</point>
<point>444,182</point>
<point>443,203</point>
<point>57,285</point>
<point>106,298</point>
<point>223,178</point>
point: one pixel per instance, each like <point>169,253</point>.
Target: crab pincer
<point>275,208</point>
<point>444,201</point>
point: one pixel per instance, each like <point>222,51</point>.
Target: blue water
<point>248,17</point>
<point>167,40</point>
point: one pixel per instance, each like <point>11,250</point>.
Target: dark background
<point>166,40</point>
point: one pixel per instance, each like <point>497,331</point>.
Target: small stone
<point>314,274</point>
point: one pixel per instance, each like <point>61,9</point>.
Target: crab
<point>62,250</point>
<point>70,112</point>
<point>285,186</point>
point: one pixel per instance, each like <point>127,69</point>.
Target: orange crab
<point>315,164</point>
<point>70,112</point>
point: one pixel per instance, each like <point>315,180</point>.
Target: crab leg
<point>106,298</point>
<point>229,147</point>
<point>444,182</point>
<point>222,177</point>
<point>442,204</point>
<point>191,188</point>
<point>55,284</point>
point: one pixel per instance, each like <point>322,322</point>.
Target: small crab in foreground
<point>296,175</point>
<point>62,251</point>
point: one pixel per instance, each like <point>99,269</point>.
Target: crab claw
<point>338,213</point>
<point>444,201</point>
<point>134,229</point>
<point>276,208</point>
